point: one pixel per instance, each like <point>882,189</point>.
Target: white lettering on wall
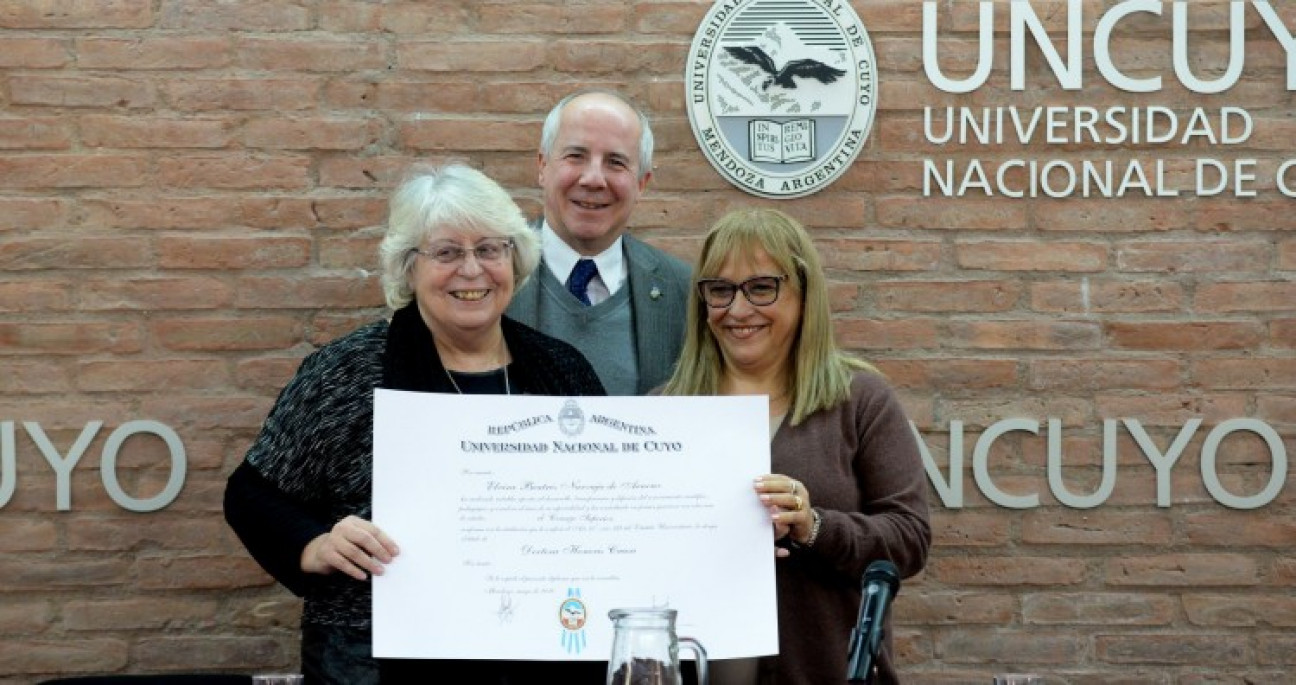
<point>63,465</point>
<point>1023,20</point>
<point>950,487</point>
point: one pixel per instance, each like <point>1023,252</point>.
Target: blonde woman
<point>848,486</point>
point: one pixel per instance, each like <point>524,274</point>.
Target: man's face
<point>590,176</point>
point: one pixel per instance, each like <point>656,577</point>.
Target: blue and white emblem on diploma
<point>524,520</point>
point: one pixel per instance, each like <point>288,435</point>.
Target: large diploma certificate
<point>523,520</point>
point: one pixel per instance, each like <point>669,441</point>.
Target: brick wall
<point>191,192</point>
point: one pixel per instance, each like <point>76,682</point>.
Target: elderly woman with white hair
<point>457,247</point>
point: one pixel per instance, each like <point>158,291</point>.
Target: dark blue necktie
<point>581,276</point>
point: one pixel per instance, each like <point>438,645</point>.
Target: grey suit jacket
<point>660,292</point>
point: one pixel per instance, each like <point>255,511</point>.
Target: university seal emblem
<point>781,93</point>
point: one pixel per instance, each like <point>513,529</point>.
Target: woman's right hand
<point>355,547</point>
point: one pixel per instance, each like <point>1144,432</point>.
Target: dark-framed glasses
<point>761,291</point>
<point>487,251</point>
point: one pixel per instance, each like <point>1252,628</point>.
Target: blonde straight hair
<point>820,373</point>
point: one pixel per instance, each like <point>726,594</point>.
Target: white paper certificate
<point>523,520</point>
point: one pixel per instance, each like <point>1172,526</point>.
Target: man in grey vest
<point>616,299</point>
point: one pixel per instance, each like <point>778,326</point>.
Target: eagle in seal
<point>804,68</point>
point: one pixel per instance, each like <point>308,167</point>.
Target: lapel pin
<point>655,293</point>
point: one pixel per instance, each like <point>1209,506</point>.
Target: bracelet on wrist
<point>814,531</point>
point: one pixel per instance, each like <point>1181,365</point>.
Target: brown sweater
<point>860,463</point>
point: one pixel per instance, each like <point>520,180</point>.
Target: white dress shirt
<point>561,259</point>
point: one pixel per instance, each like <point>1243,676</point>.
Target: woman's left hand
<point>788,503</point>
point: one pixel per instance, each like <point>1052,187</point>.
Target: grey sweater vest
<point>603,333</point>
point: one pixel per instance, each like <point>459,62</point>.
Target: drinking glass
<point>1018,679</point>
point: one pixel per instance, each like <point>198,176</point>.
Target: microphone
<point>880,584</point>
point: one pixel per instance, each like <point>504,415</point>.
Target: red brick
<point>453,17</point>
<point>366,173</point>
<point>76,14</point>
<point>152,132</point>
<point>1184,335</point>
<point>860,254</point>
<point>965,528</point>
<point>80,655</point>
<point>325,328</point>
<point>158,375</point>
<point>476,134</point>
<point>349,16</point>
<point>350,212</point>
<point>1246,296</point>
<point>314,55</point>
<point>597,57</point>
<point>1129,215</point>
<point>983,412</point>
<point>155,293</point>
<point>119,534</point>
<point>1198,256</point>
<point>81,253</point>
<point>80,91</point>
<point>1017,570</point>
<point>233,253</point>
<point>471,56</point>
<point>32,53</point>
<point>26,378</point>
<point>69,338</point>
<point>946,296</point>
<point>353,253</point>
<point>1019,645</point>
<point>159,212</point>
<point>566,20</point>
<point>405,96</point>
<point>1281,410</point>
<point>208,572</point>
<point>1233,610</point>
<point>73,171</point>
<point>1107,296</point>
<point>266,612</point>
<point>1064,527</point>
<point>152,614</point>
<point>1287,254</point>
<point>269,373</point>
<point>1169,409</point>
<point>186,412</point>
<point>199,52</point>
<point>677,18</point>
<point>357,291</point>
<point>31,213</point>
<point>275,94</point>
<point>1021,256</point>
<point>258,653</point>
<point>234,172</point>
<point>1237,529</point>
<point>957,376</point>
<point>1260,215</point>
<point>34,296</point>
<point>34,133</point>
<point>223,334</point>
<point>865,334</point>
<point>1029,335</point>
<point>1218,650</point>
<point>1073,375</point>
<point>1182,570</point>
<point>1101,609</point>
<point>25,535</point>
<point>45,576</point>
<point>1245,373</point>
<point>904,212</point>
<point>307,134</point>
<point>24,618</point>
<point>235,15</point>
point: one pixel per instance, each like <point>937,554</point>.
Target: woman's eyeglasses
<point>761,291</point>
<point>487,251</point>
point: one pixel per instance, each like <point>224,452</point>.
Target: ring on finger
<point>800,503</point>
<point>795,487</point>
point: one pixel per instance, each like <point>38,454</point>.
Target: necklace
<point>507,390</point>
